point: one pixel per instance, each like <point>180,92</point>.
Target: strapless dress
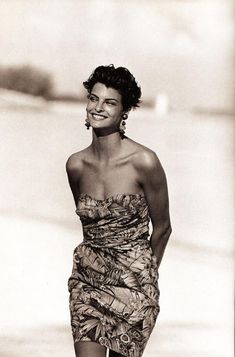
<point>114,293</point>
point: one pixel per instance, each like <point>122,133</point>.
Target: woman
<point>118,185</point>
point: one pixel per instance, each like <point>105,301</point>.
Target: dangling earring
<point>87,124</point>
<point>122,126</point>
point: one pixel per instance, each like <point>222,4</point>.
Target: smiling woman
<point>118,186</point>
<point>112,94</point>
<point>119,79</point>
<point>104,108</point>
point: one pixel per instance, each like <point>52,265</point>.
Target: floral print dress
<point>114,294</point>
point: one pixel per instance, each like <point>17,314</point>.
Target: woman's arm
<point>73,168</point>
<point>154,183</point>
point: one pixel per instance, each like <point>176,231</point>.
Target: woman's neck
<point>107,147</point>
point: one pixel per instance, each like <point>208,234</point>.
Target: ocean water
<point>39,230</point>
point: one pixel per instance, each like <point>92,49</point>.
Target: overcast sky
<point>183,48</point>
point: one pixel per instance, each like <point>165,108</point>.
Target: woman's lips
<point>98,116</point>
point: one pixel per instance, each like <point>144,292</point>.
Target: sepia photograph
<point>117,178</point>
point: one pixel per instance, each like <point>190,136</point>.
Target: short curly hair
<point>120,79</point>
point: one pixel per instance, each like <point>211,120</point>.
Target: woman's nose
<point>99,106</point>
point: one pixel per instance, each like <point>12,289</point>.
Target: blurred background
<point>182,55</point>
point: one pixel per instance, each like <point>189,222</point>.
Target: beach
<point>39,229</point>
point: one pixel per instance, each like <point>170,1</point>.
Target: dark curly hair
<point>120,79</point>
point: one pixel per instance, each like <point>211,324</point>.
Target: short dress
<point>114,293</point>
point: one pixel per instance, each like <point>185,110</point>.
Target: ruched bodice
<point>113,288</point>
<point>122,218</point>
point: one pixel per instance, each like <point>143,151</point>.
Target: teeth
<point>97,116</point>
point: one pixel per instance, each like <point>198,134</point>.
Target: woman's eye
<point>92,99</point>
<point>111,103</point>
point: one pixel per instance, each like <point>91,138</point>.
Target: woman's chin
<point>103,131</point>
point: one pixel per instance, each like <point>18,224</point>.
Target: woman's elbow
<point>169,229</point>
<point>167,233</point>
<point>162,232</point>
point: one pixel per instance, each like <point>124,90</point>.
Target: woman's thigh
<point>89,349</point>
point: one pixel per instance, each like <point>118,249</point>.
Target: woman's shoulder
<point>145,160</point>
<point>75,161</point>
<point>143,156</point>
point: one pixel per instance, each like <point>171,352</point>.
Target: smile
<point>98,116</point>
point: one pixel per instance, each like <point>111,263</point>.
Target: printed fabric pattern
<point>114,294</point>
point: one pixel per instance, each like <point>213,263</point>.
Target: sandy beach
<point>39,230</point>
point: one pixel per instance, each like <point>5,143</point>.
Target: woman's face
<point>104,107</point>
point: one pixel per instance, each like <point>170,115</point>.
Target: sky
<point>181,48</point>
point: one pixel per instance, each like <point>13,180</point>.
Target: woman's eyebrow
<point>112,99</point>
<point>105,98</point>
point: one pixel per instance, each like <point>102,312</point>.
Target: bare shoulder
<point>145,160</point>
<point>75,162</point>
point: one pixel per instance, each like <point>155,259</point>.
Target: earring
<point>122,127</point>
<point>87,124</point>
